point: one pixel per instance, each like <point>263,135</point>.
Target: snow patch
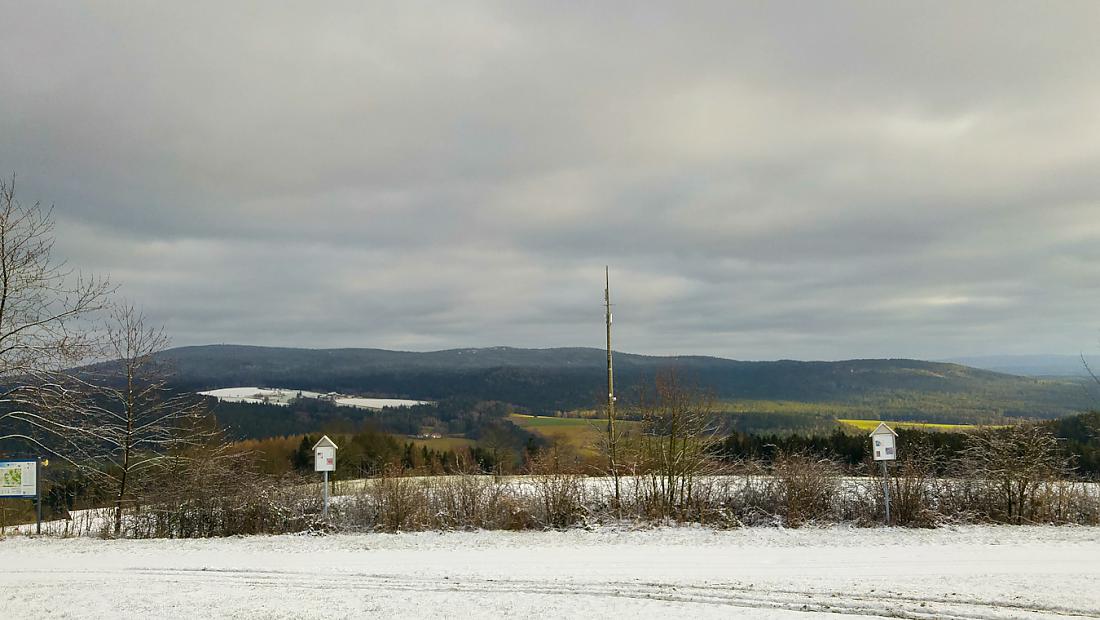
<point>284,396</point>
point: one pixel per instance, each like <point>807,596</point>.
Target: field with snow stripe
<point>283,396</point>
<point>965,572</point>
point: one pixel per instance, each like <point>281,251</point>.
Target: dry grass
<point>582,435</point>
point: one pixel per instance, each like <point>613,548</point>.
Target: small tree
<point>302,458</point>
<point>500,445</point>
<point>136,425</point>
<point>677,441</point>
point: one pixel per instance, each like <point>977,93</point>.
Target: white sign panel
<point>885,448</point>
<point>884,443</point>
<point>324,459</point>
<point>18,478</point>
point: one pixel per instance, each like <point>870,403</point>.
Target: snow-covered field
<point>964,572</point>
<point>283,396</point>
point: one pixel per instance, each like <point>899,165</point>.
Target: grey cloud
<point>766,180</point>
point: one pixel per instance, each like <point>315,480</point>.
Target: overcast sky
<point>815,180</point>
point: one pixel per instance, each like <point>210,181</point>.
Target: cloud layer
<point>765,179</point>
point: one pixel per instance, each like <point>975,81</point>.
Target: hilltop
<point>544,380</point>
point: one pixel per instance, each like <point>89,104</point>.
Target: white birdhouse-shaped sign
<point>324,455</point>
<point>884,443</point>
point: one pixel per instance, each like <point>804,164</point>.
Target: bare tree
<point>678,436</point>
<point>500,444</point>
<point>135,425</point>
<point>42,306</point>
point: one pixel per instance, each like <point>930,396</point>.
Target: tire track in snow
<point>891,604</point>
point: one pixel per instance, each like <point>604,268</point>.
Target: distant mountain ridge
<point>566,378</point>
<point>1033,365</point>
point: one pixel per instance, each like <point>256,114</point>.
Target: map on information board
<point>17,478</point>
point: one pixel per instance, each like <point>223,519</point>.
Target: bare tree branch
<point>43,305</point>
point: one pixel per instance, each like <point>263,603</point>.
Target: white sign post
<point>324,460</point>
<point>884,444</point>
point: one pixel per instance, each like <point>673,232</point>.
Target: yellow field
<point>870,425</point>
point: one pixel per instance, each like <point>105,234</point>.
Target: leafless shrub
<point>750,496</point>
<point>470,501</point>
<point>201,498</point>
<point>717,498</point>
<point>1008,470</point>
<point>1067,501</point>
<point>393,503</point>
<point>674,449</point>
<point>560,493</point>
<point>806,487</point>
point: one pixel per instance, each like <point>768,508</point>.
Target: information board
<point>885,450</point>
<point>18,478</point>
<point>324,459</point>
<point>884,443</point>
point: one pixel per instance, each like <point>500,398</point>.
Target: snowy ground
<point>965,572</point>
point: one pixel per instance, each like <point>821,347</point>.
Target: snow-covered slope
<point>283,396</point>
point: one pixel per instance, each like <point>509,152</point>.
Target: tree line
<point>451,416</point>
<point>1077,440</point>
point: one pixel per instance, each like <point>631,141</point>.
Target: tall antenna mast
<point>612,439</point>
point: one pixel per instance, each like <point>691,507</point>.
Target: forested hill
<point>544,380</point>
